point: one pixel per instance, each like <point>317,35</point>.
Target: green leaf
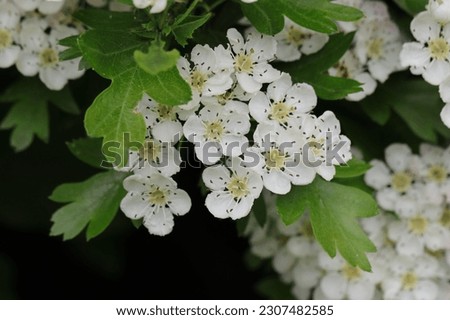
<point>92,203</point>
<point>353,168</point>
<point>185,30</point>
<point>110,20</point>
<point>29,112</point>
<point>156,60</point>
<point>273,288</point>
<point>112,114</point>
<point>413,7</point>
<point>333,209</point>
<point>313,69</point>
<point>73,51</point>
<point>415,101</point>
<point>318,15</point>
<point>87,150</point>
<point>265,16</point>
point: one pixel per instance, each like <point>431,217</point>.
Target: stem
<point>216,4</point>
<point>187,12</point>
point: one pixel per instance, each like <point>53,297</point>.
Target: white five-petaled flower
<point>249,58</point>
<point>40,55</point>
<point>156,200</point>
<point>161,120</point>
<point>234,189</point>
<point>444,90</point>
<point>276,156</point>
<point>342,280</point>
<point>294,40</point>
<point>9,23</point>
<point>216,132</point>
<point>324,145</point>
<point>411,278</point>
<point>157,5</point>
<point>350,67</point>
<point>430,55</point>
<point>378,45</point>
<point>205,77</point>
<point>154,156</point>
<point>419,228</point>
<point>284,102</point>
<point>396,179</point>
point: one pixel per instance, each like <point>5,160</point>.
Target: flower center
<point>437,173</point>
<point>316,146</point>
<point>375,48</point>
<point>158,197</point>
<point>445,218</point>
<point>342,71</point>
<point>48,57</point>
<point>274,159</point>
<point>151,151</point>
<point>350,272</point>
<point>439,48</point>
<point>418,225</point>
<point>280,112</point>
<point>214,131</point>
<point>243,63</point>
<point>295,36</point>
<point>166,112</point>
<point>5,39</point>
<point>238,187</point>
<point>409,281</point>
<point>198,80</point>
<point>401,181</point>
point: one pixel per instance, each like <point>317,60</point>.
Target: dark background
<point>201,259</point>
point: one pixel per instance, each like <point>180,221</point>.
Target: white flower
<point>40,55</point>
<point>283,102</point>
<point>249,1</point>
<point>204,77</point>
<point>161,120</point>
<point>350,67</point>
<point>445,115</point>
<point>9,21</point>
<point>250,59</point>
<point>411,278</point>
<point>342,280</point>
<point>430,56</point>
<point>276,156</point>
<point>324,145</point>
<point>156,200</point>
<point>157,5</point>
<point>418,228</point>
<point>234,189</point>
<point>216,132</point>
<point>396,180</point>
<point>440,9</point>
<point>294,40</point>
<point>378,45</point>
<point>46,7</point>
<point>154,156</point>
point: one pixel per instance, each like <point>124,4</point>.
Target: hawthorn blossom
<point>234,189</point>
<point>440,10</point>
<point>45,7</point>
<point>283,102</point>
<point>155,200</point>
<point>9,25</point>
<point>429,56</point>
<point>157,6</point>
<point>249,58</point>
<point>295,40</point>
<point>40,55</point>
<point>216,132</point>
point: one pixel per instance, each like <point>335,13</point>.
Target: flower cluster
<point>29,35</point>
<point>429,56</point>
<point>412,235</point>
<point>250,125</point>
<point>374,54</point>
